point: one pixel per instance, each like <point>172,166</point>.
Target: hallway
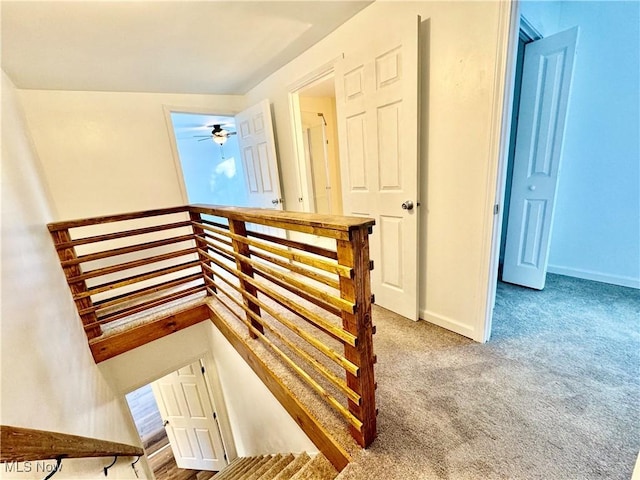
<point>154,438</point>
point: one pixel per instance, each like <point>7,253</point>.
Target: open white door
<point>189,417</point>
<point>546,83</point>
<point>377,105</point>
<point>258,150</point>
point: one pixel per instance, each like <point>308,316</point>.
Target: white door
<point>546,83</point>
<point>258,150</point>
<point>189,417</point>
<point>377,106</point>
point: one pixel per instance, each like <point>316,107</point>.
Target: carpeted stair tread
<point>246,468</point>
<point>319,468</point>
<point>293,468</point>
<point>264,467</point>
<point>277,467</point>
<point>237,465</point>
<point>255,467</point>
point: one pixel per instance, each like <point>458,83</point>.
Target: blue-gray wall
<point>596,231</point>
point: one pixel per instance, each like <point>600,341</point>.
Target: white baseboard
<point>595,276</point>
<point>448,323</point>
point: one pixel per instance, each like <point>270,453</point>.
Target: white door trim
<point>498,156</point>
<point>320,73</point>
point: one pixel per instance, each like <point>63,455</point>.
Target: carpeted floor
<point>554,395</point>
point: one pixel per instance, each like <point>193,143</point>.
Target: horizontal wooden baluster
<point>78,287</point>
<point>354,421</point>
<point>297,284</point>
<point>141,292</point>
<point>304,313</point>
<point>310,339</point>
<point>135,279</point>
<point>99,272</point>
<point>306,259</point>
<point>318,366</point>
<point>305,247</point>
<point>90,257</point>
<point>126,233</point>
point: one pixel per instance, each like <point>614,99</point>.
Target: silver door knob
<point>275,201</point>
<point>532,187</point>
<point>408,205</point>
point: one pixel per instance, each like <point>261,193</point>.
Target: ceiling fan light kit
<point>219,135</point>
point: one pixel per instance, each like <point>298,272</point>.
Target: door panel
<point>257,145</point>
<point>546,84</point>
<point>377,104</point>
<point>185,406</point>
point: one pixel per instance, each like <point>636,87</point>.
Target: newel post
<point>198,233</point>
<point>354,253</point>
<point>239,228</point>
<point>84,304</point>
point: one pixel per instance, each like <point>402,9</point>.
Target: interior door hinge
<point>496,209</point>
<point>215,416</point>
<point>202,368</point>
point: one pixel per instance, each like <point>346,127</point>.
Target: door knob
<point>275,201</point>
<point>408,205</point>
<point>532,187</point>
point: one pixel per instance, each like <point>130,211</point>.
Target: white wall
<point>106,152</point>
<point>462,82</point>
<point>596,232</point>
<point>49,379</point>
<point>259,424</point>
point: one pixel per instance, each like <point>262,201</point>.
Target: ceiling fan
<point>219,135</point>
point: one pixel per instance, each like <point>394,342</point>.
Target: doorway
<point>541,99</point>
<point>316,136</point>
<point>178,418</point>
<point>212,172</point>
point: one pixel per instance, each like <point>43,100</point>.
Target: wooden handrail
<point>329,226</point>
<point>310,305</point>
<point>27,444</point>
<point>85,222</point>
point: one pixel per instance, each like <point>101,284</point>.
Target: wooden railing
<point>298,282</point>
<point>26,444</point>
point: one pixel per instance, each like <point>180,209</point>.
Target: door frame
<point>216,397</point>
<point>321,73</point>
<point>505,104</point>
<point>167,111</point>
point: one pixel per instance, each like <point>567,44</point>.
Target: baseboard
<point>595,276</point>
<point>448,323</point>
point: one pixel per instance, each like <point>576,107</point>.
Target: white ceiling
<point>213,47</point>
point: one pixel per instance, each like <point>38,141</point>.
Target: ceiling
<point>208,47</point>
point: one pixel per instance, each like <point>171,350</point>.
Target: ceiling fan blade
<point>203,139</point>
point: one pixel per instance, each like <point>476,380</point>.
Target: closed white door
<point>258,150</point>
<point>378,117</point>
<point>546,84</point>
<point>190,419</point>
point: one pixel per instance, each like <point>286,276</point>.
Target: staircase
<point>279,467</point>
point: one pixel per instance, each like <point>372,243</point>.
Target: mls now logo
<point>26,467</point>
